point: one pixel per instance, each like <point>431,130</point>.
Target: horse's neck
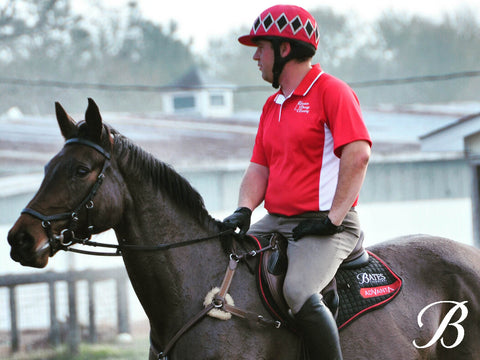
<point>166,281</point>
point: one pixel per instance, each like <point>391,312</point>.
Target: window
<point>183,102</point>
<point>217,100</point>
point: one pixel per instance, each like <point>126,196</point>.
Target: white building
<point>197,94</point>
<point>459,136</point>
<point>462,136</point>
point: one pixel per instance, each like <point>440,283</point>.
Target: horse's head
<point>71,203</point>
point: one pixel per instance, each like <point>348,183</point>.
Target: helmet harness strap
<point>279,61</point>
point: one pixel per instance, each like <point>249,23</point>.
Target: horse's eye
<point>82,171</point>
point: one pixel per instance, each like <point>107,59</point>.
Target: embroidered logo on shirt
<point>302,107</point>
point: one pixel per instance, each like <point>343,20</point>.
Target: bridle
<point>67,237</point>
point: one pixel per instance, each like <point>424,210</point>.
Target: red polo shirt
<point>300,138</point>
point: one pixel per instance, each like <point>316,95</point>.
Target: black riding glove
<point>316,227</point>
<point>239,219</point>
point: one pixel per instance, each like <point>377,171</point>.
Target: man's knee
<point>295,294</point>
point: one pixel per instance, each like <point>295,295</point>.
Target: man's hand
<point>239,219</point>
<point>315,227</point>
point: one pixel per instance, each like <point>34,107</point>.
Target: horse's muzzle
<point>27,250</point>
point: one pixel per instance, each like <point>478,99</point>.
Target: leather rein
<point>67,238</point>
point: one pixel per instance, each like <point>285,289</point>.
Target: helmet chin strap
<point>279,61</point>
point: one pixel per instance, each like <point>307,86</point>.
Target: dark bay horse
<point>101,180</point>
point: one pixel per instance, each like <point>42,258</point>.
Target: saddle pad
<point>364,289</point>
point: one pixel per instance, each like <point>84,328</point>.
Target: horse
<point>101,180</point>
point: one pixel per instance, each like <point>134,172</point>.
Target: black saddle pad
<point>360,289</point>
<point>364,289</point>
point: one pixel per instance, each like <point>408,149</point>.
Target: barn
<point>463,177</point>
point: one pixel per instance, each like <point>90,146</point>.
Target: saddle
<point>346,295</point>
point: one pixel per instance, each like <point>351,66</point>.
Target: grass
<point>136,350</point>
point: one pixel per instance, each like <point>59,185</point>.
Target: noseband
<point>67,235</point>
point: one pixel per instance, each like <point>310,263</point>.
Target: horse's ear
<point>67,125</point>
<point>94,121</point>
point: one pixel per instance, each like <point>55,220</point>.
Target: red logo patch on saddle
<point>364,289</point>
<point>360,285</point>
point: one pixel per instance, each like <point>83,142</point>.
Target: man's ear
<point>285,49</point>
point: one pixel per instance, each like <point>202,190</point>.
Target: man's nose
<point>256,55</point>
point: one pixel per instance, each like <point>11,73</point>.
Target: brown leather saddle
<point>271,275</point>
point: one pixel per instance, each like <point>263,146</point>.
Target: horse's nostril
<point>21,243</point>
<point>20,239</point>
<point>24,249</point>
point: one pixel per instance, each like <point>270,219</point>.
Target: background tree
<point>420,46</point>
<point>45,40</point>
<point>394,46</point>
<point>107,48</point>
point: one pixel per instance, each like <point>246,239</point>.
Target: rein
<point>120,248</point>
<point>67,238</point>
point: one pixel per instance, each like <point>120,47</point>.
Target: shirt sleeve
<point>344,116</point>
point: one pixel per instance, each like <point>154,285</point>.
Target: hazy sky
<point>201,20</point>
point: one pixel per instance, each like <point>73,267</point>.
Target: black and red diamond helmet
<point>284,21</point>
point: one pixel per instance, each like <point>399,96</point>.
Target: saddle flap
<point>278,261</point>
<point>272,269</point>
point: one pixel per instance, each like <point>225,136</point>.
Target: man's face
<point>264,56</point>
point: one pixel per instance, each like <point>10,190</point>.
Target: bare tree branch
<point>14,26</point>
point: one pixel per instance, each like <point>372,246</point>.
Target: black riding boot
<point>319,329</point>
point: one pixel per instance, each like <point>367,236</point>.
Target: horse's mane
<point>163,178</point>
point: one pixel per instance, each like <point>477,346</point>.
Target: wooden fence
<point>12,282</point>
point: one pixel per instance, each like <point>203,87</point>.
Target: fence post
<point>54,327</point>
<point>122,306</point>
<point>11,282</point>
<point>92,329</point>
<point>73,333</point>
<point>13,319</point>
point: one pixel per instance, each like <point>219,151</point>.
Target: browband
<point>90,144</point>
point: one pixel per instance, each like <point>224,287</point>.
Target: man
<point>308,165</point>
